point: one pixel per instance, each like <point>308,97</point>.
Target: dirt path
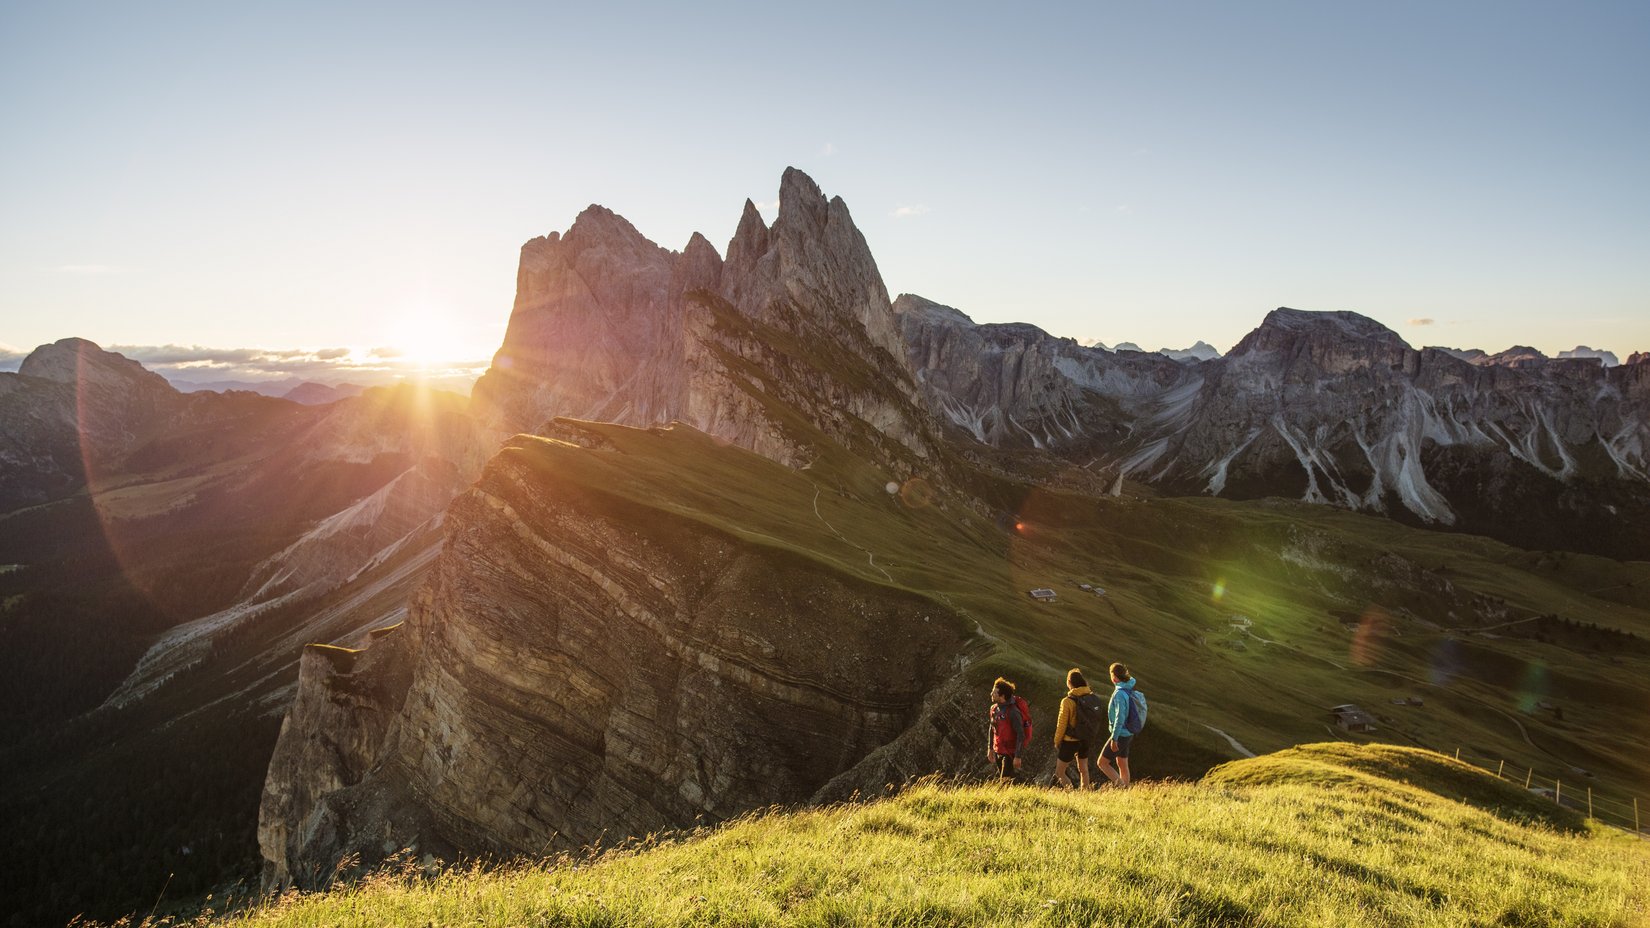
<point>870,558</point>
<point>1236,745</point>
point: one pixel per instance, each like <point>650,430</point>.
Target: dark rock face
<point>580,665</point>
<point>609,326</point>
<point>73,406</point>
<point>1327,407</point>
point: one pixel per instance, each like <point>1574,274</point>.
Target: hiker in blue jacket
<point>1117,714</point>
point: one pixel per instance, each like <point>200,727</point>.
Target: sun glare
<point>426,339</point>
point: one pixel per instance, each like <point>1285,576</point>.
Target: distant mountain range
<point>308,392</point>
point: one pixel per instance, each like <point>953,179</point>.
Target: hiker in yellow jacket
<point>1075,733</point>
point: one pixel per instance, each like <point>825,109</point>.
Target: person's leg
<point>1083,769</point>
<point>1104,763</point>
<point>1123,770</point>
<point>1060,774</point>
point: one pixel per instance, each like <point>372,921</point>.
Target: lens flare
<point>1532,691</point>
<point>1374,627</point>
<point>916,493</point>
<point>1218,593</point>
<point>1446,663</point>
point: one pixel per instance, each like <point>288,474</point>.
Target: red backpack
<point>1025,714</point>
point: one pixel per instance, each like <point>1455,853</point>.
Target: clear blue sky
<point>295,175</point>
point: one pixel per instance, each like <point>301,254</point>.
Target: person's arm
<point>991,735</point>
<point>1066,709</point>
<point>1114,715</point>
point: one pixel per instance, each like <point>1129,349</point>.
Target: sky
<point>235,181</point>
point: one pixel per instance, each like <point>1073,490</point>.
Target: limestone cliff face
<point>330,738</point>
<point>1015,385</point>
<point>583,665</point>
<point>609,326</point>
<point>1326,407</point>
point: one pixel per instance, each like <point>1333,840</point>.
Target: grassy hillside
<point>1245,620</point>
<point>1322,835</point>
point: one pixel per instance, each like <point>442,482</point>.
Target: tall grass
<point>1308,851</point>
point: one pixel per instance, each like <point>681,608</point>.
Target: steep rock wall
<point>586,666</point>
<point>608,326</point>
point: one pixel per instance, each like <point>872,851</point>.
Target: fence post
<point>1558,792</point>
<point>1589,802</point>
<point>1457,752</point>
<point>1528,773</point>
<point>1500,767</point>
<point>1636,816</point>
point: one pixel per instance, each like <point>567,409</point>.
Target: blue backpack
<point>1136,719</point>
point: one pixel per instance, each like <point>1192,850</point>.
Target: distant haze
<point>305,177</point>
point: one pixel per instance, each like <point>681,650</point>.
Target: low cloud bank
<point>202,367</point>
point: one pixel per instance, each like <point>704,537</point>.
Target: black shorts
<point>1122,749</point>
<point>1071,749</point>
<point>1005,766</point>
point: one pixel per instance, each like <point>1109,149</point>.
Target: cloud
<point>198,356</point>
<point>906,212</point>
<point>11,358</point>
<point>1422,322</point>
<point>828,150</point>
<point>201,364</point>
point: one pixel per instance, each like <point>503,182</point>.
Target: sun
<point>427,339</point>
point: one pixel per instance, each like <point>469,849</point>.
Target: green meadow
<point>1242,620</point>
<point>1325,834</point>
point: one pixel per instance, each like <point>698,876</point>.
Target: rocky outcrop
<point>585,665</point>
<point>330,738</point>
<point>608,326</point>
<point>1326,407</point>
<point>1015,385</point>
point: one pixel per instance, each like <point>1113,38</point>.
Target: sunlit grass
<point>1328,842</point>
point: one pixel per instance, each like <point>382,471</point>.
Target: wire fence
<point>1629,813</point>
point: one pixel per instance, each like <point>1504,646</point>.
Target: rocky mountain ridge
<point>608,326</point>
<point>1326,407</point>
<point>622,668</point>
<point>629,654</point>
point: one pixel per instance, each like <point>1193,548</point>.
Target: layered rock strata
<point>583,665</point>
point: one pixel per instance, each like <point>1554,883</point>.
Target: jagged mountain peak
<point>749,242</point>
<point>608,326</point>
<point>798,193</point>
<point>78,360</point>
<point>598,225</point>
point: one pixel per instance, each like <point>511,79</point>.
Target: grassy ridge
<point>1315,836</point>
<point>1335,606</point>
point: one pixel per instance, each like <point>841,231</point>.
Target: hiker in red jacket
<point>1010,730</point>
